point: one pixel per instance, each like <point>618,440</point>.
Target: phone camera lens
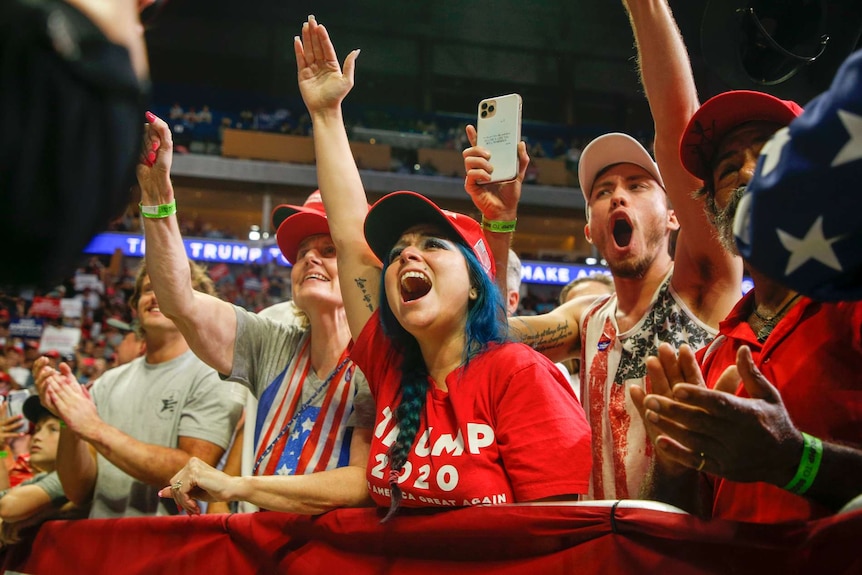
<point>484,113</point>
<point>490,108</point>
<point>484,105</point>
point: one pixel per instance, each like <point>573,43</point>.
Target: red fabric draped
<point>533,539</point>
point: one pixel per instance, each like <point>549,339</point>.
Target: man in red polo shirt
<point>783,445</point>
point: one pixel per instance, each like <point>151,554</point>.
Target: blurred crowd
<point>102,316</point>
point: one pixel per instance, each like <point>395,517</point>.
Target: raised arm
<point>207,323</point>
<point>496,202</point>
<point>555,334</point>
<point>704,273</point>
<point>323,86</point>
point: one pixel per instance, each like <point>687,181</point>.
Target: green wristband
<point>4,454</point>
<point>809,465</point>
<point>160,211</point>
<point>499,226</point>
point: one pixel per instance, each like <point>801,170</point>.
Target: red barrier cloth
<point>532,539</point>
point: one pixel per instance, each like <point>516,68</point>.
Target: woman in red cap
<point>463,417</point>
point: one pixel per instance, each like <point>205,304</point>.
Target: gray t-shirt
<point>157,404</point>
<point>49,483</point>
<point>263,349</point>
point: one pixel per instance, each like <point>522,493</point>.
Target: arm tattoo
<point>366,297</point>
<point>547,339</point>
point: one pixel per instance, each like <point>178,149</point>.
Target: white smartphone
<point>498,128</point>
<point>15,404</point>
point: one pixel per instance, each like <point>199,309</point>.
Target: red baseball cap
<point>295,223</point>
<point>721,114</point>
<point>397,212</point>
<point>52,353</point>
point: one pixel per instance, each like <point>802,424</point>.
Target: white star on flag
<point>814,246</point>
<point>295,434</point>
<point>283,470</point>
<point>307,425</point>
<point>772,150</point>
<point>852,150</point>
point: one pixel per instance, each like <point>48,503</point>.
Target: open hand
<point>73,403</point>
<point>322,82</point>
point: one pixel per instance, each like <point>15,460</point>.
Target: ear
<point>587,233</point>
<point>672,222</point>
<point>474,293</point>
<point>512,303</point>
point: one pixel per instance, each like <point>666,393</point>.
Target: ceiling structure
<point>572,60</point>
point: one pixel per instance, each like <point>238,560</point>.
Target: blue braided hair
<point>486,324</point>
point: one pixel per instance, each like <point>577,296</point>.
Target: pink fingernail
<point>150,117</point>
<point>151,158</point>
<point>156,145</point>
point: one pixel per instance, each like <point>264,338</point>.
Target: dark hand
<point>742,438</point>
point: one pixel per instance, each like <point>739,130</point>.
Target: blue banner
<point>240,252</point>
<point>246,252</point>
<point>27,327</point>
<point>199,249</point>
<point>533,272</point>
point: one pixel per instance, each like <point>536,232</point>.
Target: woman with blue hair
<point>463,416</point>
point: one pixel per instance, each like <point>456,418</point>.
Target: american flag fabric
<point>800,220</point>
<point>293,437</point>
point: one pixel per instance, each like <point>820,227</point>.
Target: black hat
<point>34,410</point>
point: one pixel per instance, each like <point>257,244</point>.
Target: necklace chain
<point>770,322</point>
<point>287,426</point>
